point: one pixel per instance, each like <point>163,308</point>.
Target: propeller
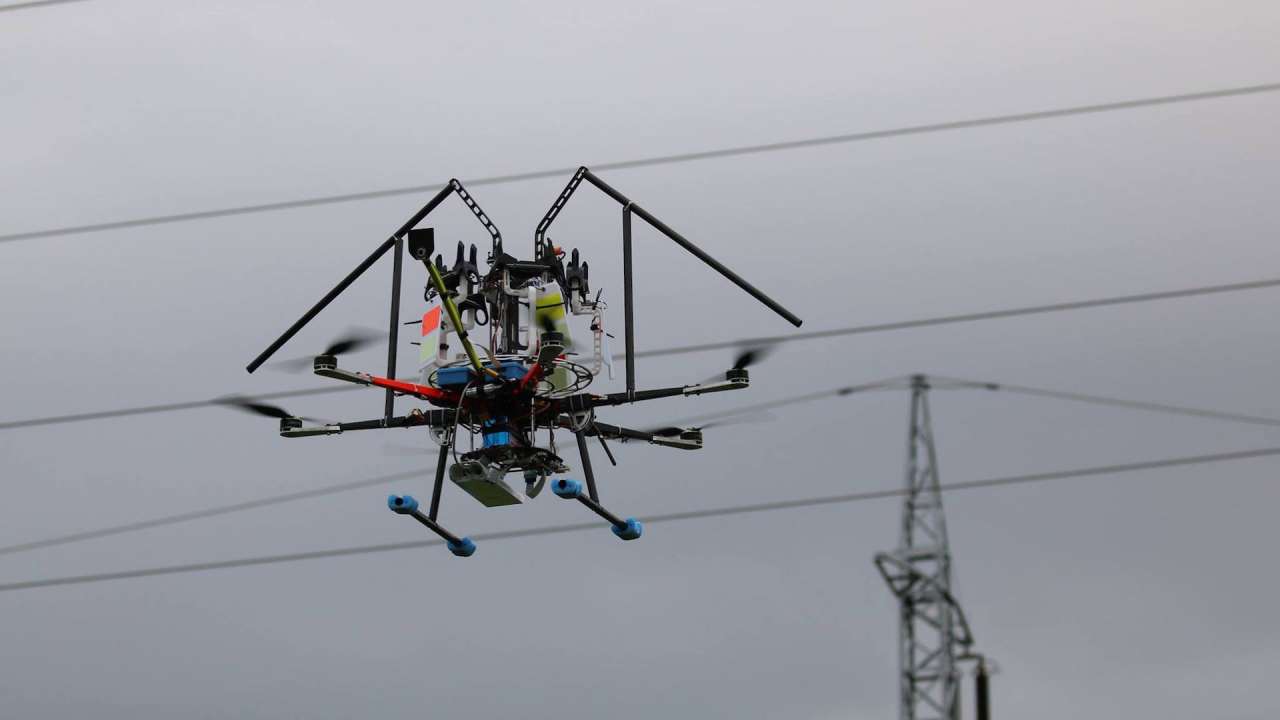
<point>548,325</point>
<point>257,407</point>
<point>672,431</point>
<point>747,356</point>
<point>751,355</point>
<point>354,339</point>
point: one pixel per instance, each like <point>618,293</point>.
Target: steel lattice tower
<point>933,634</point>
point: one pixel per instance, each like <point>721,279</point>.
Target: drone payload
<point>497,359</point>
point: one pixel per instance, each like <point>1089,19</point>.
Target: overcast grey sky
<point>1136,595</point>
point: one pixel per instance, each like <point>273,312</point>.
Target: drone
<point>532,378</point>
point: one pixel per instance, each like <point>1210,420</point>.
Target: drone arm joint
<point>423,392</point>
<point>672,441</point>
<point>293,427</point>
<point>584,402</point>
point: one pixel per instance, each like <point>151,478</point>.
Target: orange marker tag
<point>430,345</point>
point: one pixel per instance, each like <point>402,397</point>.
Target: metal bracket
<point>480,214</point>
<point>540,242</point>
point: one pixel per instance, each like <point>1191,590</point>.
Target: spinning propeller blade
<point>250,405</point>
<point>547,324</point>
<point>747,357</point>
<point>752,355</point>
<point>672,431</point>
<point>354,339</point>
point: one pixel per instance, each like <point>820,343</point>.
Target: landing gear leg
<point>628,529</point>
<point>446,443</point>
<point>407,505</point>
<point>586,467</point>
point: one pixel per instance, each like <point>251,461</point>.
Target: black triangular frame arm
<point>541,245</point>
<point>396,241</point>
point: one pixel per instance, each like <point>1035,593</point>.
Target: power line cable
<point>656,160</point>
<point>161,408</point>
<point>895,383</point>
<point>1120,402</point>
<point>970,317</point>
<point>685,349</point>
<point>34,4</point>
<point>209,512</point>
<point>703,347</point>
<point>368,482</point>
<point>651,520</point>
<point>942,382</point>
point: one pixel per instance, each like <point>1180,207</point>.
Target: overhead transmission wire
<point>163,407</point>
<point>942,382</point>
<point>972,317</point>
<point>356,485</point>
<point>894,383</point>
<point>736,151</point>
<point>1118,402</point>
<point>99,415</point>
<point>31,4</point>
<point>209,512</point>
<point>655,519</point>
<point>741,150</point>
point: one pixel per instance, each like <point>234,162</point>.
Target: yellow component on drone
<point>550,314</point>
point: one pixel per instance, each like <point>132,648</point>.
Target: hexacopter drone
<point>531,379</point>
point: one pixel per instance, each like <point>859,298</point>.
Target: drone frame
<point>573,405</point>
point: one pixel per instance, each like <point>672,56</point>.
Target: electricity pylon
<point>933,635</point>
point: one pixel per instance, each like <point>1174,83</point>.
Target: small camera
<point>422,242</point>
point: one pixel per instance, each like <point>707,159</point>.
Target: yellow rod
<point>456,319</point>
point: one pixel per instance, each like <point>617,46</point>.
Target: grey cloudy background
<point>1147,594</point>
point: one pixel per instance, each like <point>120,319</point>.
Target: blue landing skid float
<point>628,529</point>
<point>406,505</point>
